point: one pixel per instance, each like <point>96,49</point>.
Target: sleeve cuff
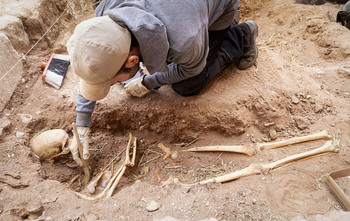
<point>83,119</point>
<point>150,82</point>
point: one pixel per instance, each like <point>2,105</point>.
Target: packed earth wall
<point>23,24</point>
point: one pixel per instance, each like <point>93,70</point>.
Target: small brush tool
<point>55,70</point>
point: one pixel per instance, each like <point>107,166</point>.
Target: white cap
<point>98,48</point>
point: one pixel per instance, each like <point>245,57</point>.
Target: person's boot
<point>251,51</point>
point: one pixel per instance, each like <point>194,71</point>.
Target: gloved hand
<point>84,133</point>
<point>136,89</point>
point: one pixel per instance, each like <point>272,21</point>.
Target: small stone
<point>186,189</point>
<point>91,217</point>
<point>4,127</point>
<point>35,208</point>
<point>301,122</point>
<point>19,134</point>
<point>273,134</point>
<point>153,206</point>
<point>295,100</point>
<point>345,73</point>
<point>49,198</point>
<point>318,108</point>
<point>26,118</point>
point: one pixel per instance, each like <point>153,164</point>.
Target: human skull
<point>49,144</point>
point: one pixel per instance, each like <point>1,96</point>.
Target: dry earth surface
<point>299,86</point>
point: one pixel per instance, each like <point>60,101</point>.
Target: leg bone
<point>327,147</point>
<point>264,168</point>
<point>251,149</point>
<point>317,136</point>
<point>247,149</point>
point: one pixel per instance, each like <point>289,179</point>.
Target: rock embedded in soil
<point>153,206</point>
<point>318,108</point>
<point>4,127</point>
<point>345,73</point>
<point>301,122</point>
<point>295,100</point>
<point>33,210</point>
<point>273,134</point>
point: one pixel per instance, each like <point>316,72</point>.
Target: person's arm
<point>84,110</point>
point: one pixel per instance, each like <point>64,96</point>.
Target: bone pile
<point>129,162</point>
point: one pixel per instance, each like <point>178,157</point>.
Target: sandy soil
<point>299,86</point>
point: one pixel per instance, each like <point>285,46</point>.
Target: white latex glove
<point>136,89</point>
<point>84,133</point>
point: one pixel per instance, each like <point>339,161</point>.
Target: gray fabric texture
<point>173,37</point>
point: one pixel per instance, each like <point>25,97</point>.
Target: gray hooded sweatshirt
<point>172,35</point>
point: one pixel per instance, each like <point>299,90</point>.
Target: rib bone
<point>251,149</point>
<point>118,175</point>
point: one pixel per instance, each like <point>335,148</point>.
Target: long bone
<point>265,168</point>
<point>128,163</point>
<point>118,175</point>
<point>251,149</point>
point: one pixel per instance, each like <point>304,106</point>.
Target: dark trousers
<point>225,48</point>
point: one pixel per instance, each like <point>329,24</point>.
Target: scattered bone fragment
<point>13,185</point>
<point>168,152</point>
<point>145,126</point>
<point>91,187</point>
<point>153,206</point>
<point>14,175</point>
<point>169,181</point>
<point>108,191</point>
<point>73,180</point>
<point>72,165</point>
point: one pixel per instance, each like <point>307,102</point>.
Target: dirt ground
<point>299,86</point>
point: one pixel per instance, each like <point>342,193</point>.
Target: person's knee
<point>185,91</point>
